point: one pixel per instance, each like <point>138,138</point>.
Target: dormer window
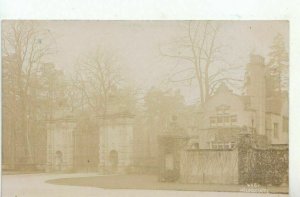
<point>222,109</point>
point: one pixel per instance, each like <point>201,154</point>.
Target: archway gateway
<point>86,147</point>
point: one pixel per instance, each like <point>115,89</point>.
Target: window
<point>285,124</point>
<point>226,119</point>
<point>221,145</point>
<point>275,129</point>
<point>233,119</point>
<point>226,146</point>
<point>214,146</point>
<point>213,121</point>
<point>220,119</point>
<point>222,109</point>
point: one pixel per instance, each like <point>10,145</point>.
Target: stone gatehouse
<point>106,146</point>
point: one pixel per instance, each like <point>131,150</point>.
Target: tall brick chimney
<point>255,87</point>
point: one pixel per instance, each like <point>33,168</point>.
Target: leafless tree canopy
<point>98,77</point>
<point>200,53</point>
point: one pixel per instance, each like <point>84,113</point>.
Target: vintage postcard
<point>197,107</point>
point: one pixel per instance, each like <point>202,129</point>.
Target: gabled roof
<point>224,89</point>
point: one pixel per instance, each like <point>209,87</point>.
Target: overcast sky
<point>136,44</point>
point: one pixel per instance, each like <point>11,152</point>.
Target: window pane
<point>212,119</point>
<point>226,119</point>
<point>220,119</point>
<point>233,118</point>
<point>276,130</point>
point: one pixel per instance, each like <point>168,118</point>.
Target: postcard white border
<point>183,10</point>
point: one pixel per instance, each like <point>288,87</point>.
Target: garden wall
<point>209,166</point>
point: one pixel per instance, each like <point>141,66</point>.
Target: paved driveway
<point>34,185</point>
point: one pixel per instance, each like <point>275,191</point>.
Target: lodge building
<point>226,115</point>
<point>239,136</point>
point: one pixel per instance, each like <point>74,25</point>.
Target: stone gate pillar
<point>115,143</point>
<point>60,145</point>
<point>171,143</point>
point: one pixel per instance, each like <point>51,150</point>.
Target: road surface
<point>34,185</point>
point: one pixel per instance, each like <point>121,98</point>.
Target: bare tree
<point>199,50</point>
<point>97,77</point>
<point>25,46</point>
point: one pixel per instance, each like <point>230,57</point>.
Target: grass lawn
<point>149,182</point>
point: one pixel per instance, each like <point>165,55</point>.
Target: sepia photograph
<point>92,107</point>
